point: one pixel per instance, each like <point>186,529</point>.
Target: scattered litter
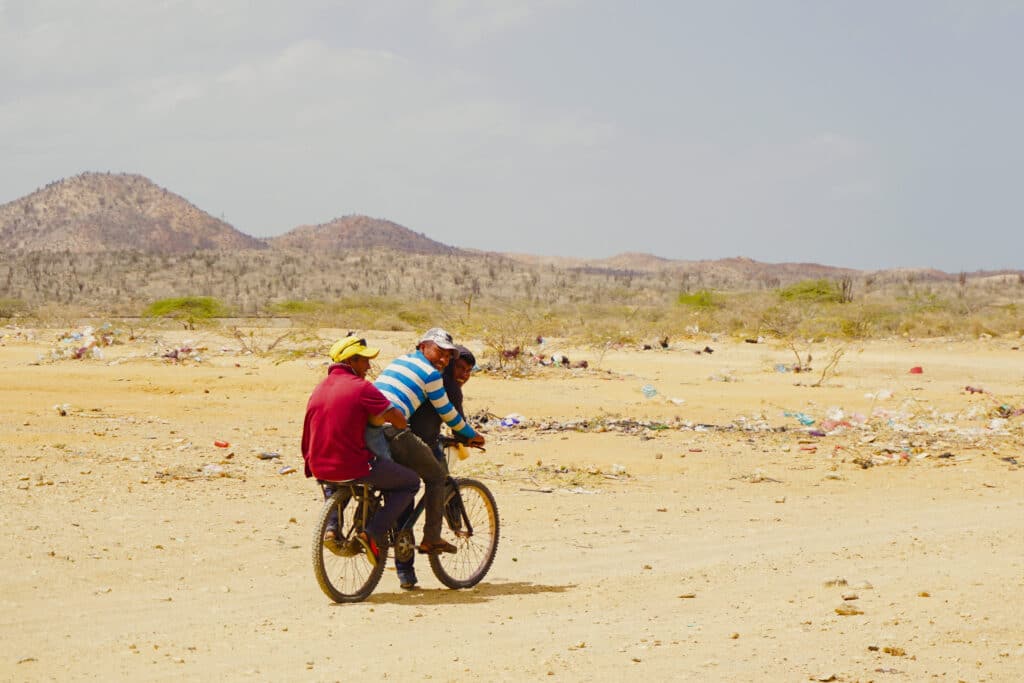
<point>974,390</point>
<point>648,391</point>
<point>513,420</point>
<point>85,343</point>
<point>880,395</point>
<point>916,370</point>
<point>213,471</point>
<point>268,455</point>
<point>221,444</point>
<point>805,420</point>
<point>183,353</point>
<point>287,469</point>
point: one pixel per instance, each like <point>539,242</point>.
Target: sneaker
<point>407,580</point>
<point>331,543</point>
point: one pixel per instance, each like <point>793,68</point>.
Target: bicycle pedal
<point>368,547</point>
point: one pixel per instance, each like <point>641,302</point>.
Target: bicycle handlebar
<point>450,442</point>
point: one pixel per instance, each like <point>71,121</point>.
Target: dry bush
<point>507,340</point>
<point>382,289</point>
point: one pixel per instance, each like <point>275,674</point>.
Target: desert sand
<point>717,549</point>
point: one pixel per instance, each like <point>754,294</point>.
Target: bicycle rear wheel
<point>345,577</point>
<point>471,516</point>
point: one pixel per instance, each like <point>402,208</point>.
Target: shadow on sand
<point>483,592</point>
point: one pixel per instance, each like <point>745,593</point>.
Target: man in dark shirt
<point>426,424</point>
<point>334,446</point>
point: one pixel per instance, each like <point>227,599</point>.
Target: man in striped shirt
<point>407,382</point>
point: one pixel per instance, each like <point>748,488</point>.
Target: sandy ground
<point>715,549</point>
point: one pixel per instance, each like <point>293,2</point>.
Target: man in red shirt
<point>333,443</point>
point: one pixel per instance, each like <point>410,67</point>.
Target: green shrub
<point>296,307</point>
<point>812,291</point>
<point>702,299</point>
<point>414,318</point>
<point>187,308</point>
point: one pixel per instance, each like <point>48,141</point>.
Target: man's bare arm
<point>392,415</point>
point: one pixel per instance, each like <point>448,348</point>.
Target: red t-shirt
<point>333,444</point>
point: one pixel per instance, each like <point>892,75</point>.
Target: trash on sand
<point>649,391</point>
<point>287,469</point>
<point>213,471</point>
<point>182,354</point>
<point>85,343</point>
<point>221,444</point>
<point>997,424</point>
<point>268,455</point>
<point>512,420</point>
<point>916,370</point>
<point>805,420</point>
<point>974,390</point>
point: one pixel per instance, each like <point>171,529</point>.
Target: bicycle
<point>346,575</point>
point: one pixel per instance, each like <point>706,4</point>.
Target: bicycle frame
<point>361,491</point>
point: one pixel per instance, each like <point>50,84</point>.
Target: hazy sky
<point>868,133</point>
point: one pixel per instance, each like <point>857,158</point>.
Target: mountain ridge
<point>94,212</point>
<point>107,212</point>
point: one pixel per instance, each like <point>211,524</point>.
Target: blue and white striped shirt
<point>410,380</point>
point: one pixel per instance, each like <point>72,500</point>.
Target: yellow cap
<point>344,349</point>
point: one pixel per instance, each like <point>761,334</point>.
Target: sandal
<point>439,546</point>
<point>362,542</point>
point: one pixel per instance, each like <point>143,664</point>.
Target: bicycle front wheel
<point>344,576</point>
<point>471,517</point>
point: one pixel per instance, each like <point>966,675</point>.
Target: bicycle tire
<point>470,564</point>
<point>341,578</point>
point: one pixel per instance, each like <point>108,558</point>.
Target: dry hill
<point>102,212</point>
<point>358,233</point>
